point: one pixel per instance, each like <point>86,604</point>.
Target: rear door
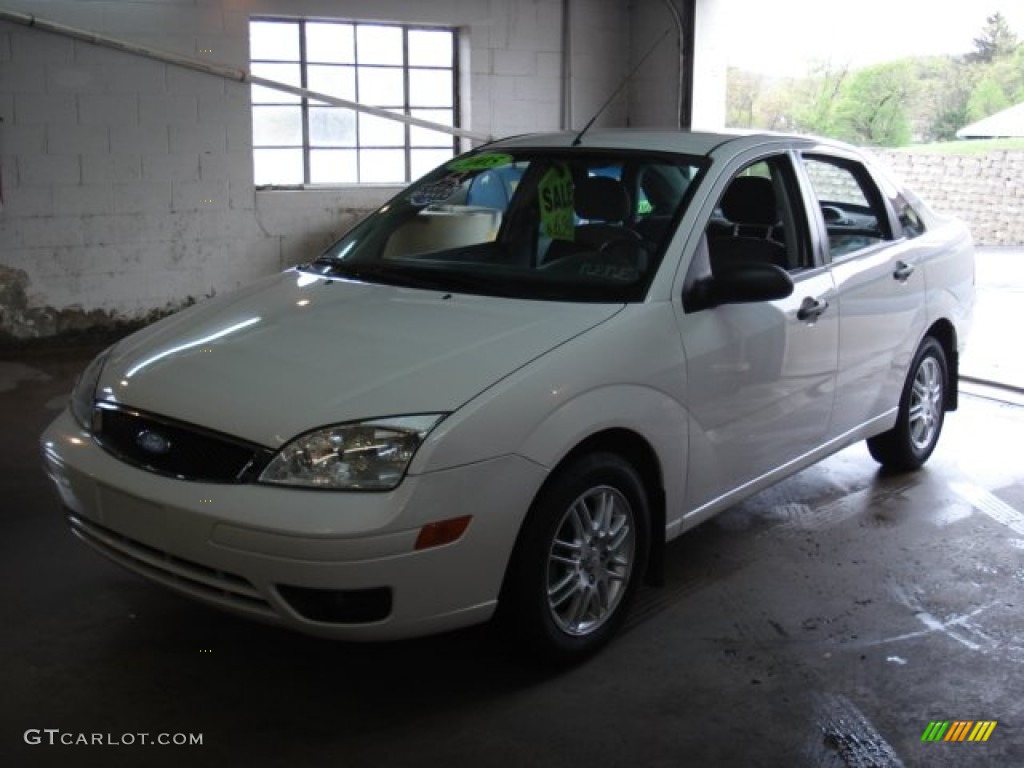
<point>879,287</point>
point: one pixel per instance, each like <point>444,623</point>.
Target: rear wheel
<point>579,558</point>
<point>922,408</point>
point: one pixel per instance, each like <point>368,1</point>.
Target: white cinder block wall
<point>128,184</point>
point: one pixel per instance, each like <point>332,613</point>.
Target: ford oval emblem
<point>152,442</point>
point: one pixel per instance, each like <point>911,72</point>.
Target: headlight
<point>83,396</point>
<point>367,455</point>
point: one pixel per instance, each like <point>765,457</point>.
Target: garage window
<point>403,69</point>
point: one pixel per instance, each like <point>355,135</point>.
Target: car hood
<point>296,352</point>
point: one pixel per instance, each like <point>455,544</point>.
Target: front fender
<point>627,373</point>
<point>651,415</point>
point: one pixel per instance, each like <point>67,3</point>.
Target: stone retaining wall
<point>985,190</point>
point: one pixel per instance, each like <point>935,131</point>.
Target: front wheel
<point>922,407</point>
<point>579,559</point>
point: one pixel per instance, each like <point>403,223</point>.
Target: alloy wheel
<point>590,561</point>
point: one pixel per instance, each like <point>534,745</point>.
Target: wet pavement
<point>826,622</point>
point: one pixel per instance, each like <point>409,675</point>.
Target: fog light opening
<point>338,606</point>
<point>442,532</point>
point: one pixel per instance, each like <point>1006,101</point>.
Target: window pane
<point>835,184</point>
<point>330,43</point>
<point>276,40</point>
<point>332,166</point>
<point>424,137</point>
<point>332,127</point>
<point>277,166</point>
<point>385,65</point>
<point>290,74</point>
<point>425,160</point>
<point>431,88</point>
<point>380,132</point>
<point>379,44</point>
<point>276,126</point>
<point>334,81</point>
<point>381,165</point>
<point>851,220</point>
<point>431,48</point>
<point>381,87</point>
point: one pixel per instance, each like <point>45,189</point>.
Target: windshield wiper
<point>411,277</point>
<point>366,273</point>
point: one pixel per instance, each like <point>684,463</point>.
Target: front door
<point>760,376</point>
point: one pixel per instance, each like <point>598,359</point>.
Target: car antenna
<point>626,79</point>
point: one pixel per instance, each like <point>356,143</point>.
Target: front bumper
<point>266,552</point>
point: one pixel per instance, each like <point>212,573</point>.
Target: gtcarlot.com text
<point>56,737</point>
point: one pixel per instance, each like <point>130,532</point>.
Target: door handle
<point>903,271</point>
<point>811,309</point>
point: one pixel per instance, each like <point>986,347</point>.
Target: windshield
<point>563,225</point>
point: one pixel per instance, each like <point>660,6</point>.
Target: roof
<point>1006,124</point>
<point>685,142</point>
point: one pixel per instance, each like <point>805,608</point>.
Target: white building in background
<point>1002,125</point>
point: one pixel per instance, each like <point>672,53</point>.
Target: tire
<point>579,559</point>
<point>908,445</point>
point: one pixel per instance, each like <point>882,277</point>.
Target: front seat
<point>602,206</point>
<point>749,204</point>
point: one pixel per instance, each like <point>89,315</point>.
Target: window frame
<point>307,105</point>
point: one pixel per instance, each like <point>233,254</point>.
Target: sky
<point>781,37</point>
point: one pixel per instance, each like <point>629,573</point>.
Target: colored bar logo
<point>958,730</point>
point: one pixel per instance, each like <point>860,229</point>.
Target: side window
<point>911,222</point>
<point>851,205</point>
<point>759,218</point>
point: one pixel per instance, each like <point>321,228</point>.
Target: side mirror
<point>741,283</point>
<point>750,282</point>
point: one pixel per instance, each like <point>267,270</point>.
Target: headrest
<point>750,200</point>
<point>600,198</point>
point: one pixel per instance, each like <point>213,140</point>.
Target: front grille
<point>175,448</point>
<point>208,584</point>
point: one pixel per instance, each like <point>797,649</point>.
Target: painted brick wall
<point>127,183</point>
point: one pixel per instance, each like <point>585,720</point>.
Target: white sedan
<point>505,390</point>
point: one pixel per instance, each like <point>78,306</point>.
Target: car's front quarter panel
<point>626,374</point>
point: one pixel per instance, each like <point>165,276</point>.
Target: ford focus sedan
<point>506,389</point>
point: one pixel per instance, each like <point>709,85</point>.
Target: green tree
<point>944,107</point>
<point>816,99</point>
<point>924,98</point>
<point>874,108</point>
<point>987,98</point>
<point>997,40</point>
<point>776,107</point>
<point>1008,71</point>
<point>944,86</point>
<point>742,91</point>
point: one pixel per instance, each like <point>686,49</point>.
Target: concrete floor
<point>823,623</point>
